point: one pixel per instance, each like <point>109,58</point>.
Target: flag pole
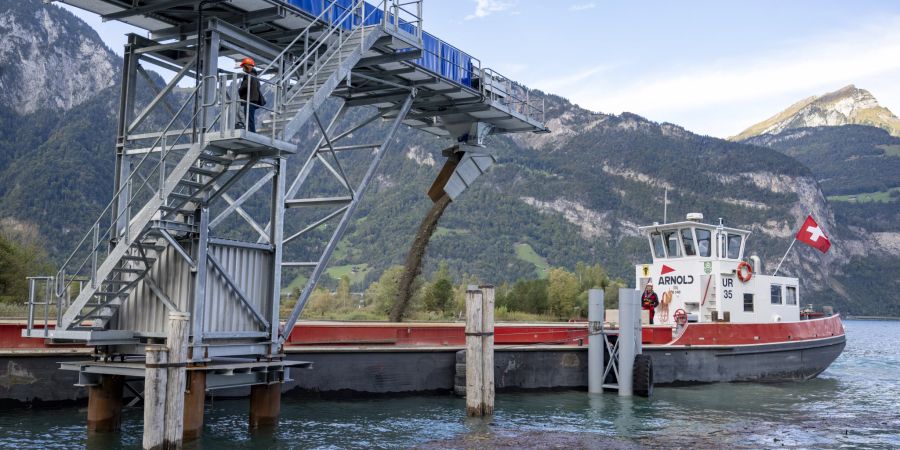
<point>785,256</point>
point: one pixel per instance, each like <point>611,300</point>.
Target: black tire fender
<point>642,376</point>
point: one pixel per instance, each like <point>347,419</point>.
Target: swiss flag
<point>812,235</point>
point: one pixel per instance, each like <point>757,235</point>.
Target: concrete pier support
<point>105,404</point>
<point>265,405</point>
<point>193,404</point>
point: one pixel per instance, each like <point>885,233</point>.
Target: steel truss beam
<point>319,267</point>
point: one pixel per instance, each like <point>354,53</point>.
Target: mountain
<point>847,160</point>
<point>848,105</point>
<point>52,60</point>
<point>858,168</point>
<point>576,194</point>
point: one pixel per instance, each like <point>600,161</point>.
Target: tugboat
<point>719,319</point>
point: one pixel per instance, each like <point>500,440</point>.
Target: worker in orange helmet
<point>250,94</point>
<point>649,301</point>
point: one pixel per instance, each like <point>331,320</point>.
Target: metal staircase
<point>194,159</point>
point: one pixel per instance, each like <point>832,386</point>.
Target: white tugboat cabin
<point>700,268</point>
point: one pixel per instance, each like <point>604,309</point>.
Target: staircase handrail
<point>305,33</point>
<point>332,29</point>
<point>62,283</point>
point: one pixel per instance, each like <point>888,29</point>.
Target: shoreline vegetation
<point>560,295</point>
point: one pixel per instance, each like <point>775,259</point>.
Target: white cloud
<point>559,84</point>
<point>730,88</point>
<point>582,7</point>
<point>484,8</point>
<point>510,69</point>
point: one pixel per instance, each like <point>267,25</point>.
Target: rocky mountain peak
<point>848,105</point>
<point>49,58</point>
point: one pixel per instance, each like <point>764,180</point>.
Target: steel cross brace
<point>338,233</point>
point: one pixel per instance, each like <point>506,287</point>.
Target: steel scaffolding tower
<point>197,222</point>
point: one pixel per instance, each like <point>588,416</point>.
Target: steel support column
<point>105,404</point>
<point>276,237</point>
<point>194,398</point>
<point>126,109</point>
<point>200,279</point>
<point>265,405</point>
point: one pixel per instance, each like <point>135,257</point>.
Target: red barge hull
<point>354,357</point>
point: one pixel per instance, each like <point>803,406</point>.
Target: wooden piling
<point>193,404</point>
<point>176,342</point>
<point>265,405</point>
<point>487,349</point>
<point>474,348</point>
<point>105,404</point>
<point>155,397</point>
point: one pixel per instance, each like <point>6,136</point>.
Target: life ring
<point>744,275</point>
<point>680,316</point>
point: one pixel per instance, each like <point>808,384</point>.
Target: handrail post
<point>59,300</point>
<point>94,251</point>
<point>46,311</point>
<point>128,196</point>
<point>162,167</point>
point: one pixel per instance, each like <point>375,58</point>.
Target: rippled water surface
<point>855,403</point>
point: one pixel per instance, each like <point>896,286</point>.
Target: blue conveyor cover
<point>439,57</point>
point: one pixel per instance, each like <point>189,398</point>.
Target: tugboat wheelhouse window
<point>776,294</point>
<point>734,246</point>
<point>748,302</point>
<point>688,238</point>
<point>704,237</point>
<point>790,295</point>
<point>673,247</point>
<point>658,248</point>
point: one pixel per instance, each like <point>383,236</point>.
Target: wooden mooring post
<point>176,342</point>
<point>480,351</point>
<point>155,397</point>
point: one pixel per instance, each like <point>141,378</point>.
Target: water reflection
<point>854,404</point>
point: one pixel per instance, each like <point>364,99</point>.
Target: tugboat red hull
<point>726,352</point>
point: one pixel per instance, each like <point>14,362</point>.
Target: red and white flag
<point>812,235</point>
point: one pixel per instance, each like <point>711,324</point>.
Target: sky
<point>714,67</point>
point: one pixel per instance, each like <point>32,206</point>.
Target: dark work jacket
<point>255,97</point>
<point>649,301</point>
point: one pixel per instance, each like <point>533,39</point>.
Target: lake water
<point>855,403</point>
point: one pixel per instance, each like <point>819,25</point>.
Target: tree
<point>21,256</point>
<point>320,302</point>
<point>528,296</point>
<point>562,292</point>
<point>590,277</point>
<point>342,300</point>
<point>439,296</point>
<point>383,292</point>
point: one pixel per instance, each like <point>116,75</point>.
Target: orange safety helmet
<point>248,62</point>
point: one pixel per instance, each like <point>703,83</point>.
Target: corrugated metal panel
<point>250,269</point>
<point>144,312</point>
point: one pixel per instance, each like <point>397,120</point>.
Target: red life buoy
<point>744,271</point>
<point>680,316</point>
